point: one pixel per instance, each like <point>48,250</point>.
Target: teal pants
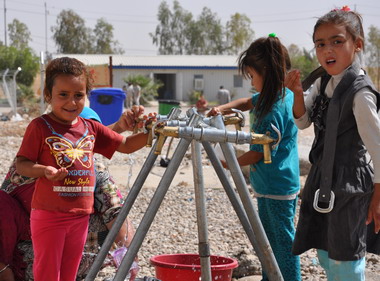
<point>277,217</point>
<point>342,270</point>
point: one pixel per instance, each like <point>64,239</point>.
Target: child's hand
<point>148,119</point>
<point>129,120</point>
<point>214,111</point>
<point>130,117</point>
<point>54,174</point>
<point>293,82</point>
<point>374,209</point>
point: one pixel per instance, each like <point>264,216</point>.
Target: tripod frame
<point>193,132</point>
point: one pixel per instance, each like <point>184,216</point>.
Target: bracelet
<point>5,267</point>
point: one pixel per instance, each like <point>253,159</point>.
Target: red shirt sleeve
<point>106,141</point>
<point>32,141</point>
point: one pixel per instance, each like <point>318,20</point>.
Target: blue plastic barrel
<point>108,103</point>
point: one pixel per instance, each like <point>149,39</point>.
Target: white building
<point>180,74</point>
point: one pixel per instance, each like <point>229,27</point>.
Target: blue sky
<point>132,20</point>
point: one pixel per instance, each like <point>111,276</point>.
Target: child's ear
<point>358,45</point>
<point>47,98</point>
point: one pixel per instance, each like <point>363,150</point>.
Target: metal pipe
<point>200,203</point>
<point>236,203</point>
<point>5,24</point>
<point>42,74</point>
<point>267,258</point>
<point>128,203</point>
<point>6,89</point>
<point>15,91</point>
<point>154,204</point>
<point>245,210</point>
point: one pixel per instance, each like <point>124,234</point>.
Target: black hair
<point>268,57</point>
<point>350,19</point>
<point>68,66</point>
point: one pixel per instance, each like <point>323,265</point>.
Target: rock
<point>248,264</point>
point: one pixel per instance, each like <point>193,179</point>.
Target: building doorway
<point>167,92</point>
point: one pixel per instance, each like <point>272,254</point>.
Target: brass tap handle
<point>169,131</point>
<point>150,128</point>
<point>261,139</point>
<point>160,143</point>
<point>265,140</point>
<point>234,120</point>
<point>163,133</point>
<point>149,142</point>
<point>267,155</point>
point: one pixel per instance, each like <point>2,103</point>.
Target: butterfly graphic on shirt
<point>65,152</point>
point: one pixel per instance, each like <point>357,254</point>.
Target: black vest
<point>349,146</point>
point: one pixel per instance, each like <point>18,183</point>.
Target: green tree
<point>19,34</point>
<point>103,36</point>
<point>178,33</point>
<point>303,60</point>
<point>294,51</point>
<point>162,35</point>
<point>71,35</point>
<point>180,21</point>
<point>170,34</point>
<point>373,48</point>
<point>238,33</point>
<point>205,36</point>
<point>149,87</point>
<point>12,58</point>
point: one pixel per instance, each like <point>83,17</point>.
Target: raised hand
<point>129,120</point>
<point>293,82</point>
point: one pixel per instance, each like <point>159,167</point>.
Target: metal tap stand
<point>193,133</point>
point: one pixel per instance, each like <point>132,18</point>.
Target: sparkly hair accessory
<point>272,35</point>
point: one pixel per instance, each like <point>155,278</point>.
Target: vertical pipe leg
<point>268,260</point>
<point>200,202</point>
<point>131,197</point>
<point>264,250</point>
<point>152,210</point>
<point>235,201</point>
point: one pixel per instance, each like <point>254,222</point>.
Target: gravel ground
<point>174,228</point>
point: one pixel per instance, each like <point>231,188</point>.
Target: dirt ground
<point>174,229</point>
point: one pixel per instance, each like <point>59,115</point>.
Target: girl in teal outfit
<point>275,185</point>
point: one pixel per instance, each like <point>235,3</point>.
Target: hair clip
<point>344,9</point>
<point>272,35</point>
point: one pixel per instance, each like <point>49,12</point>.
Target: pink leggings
<point>58,241</point>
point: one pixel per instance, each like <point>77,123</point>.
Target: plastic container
<point>164,106</point>
<point>108,103</point>
<point>186,267</point>
<point>117,257</point>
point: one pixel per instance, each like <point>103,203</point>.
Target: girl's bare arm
<point>133,143</point>
<point>293,82</point>
<point>28,168</point>
<point>242,104</point>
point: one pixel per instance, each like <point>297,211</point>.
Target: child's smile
<point>68,98</point>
